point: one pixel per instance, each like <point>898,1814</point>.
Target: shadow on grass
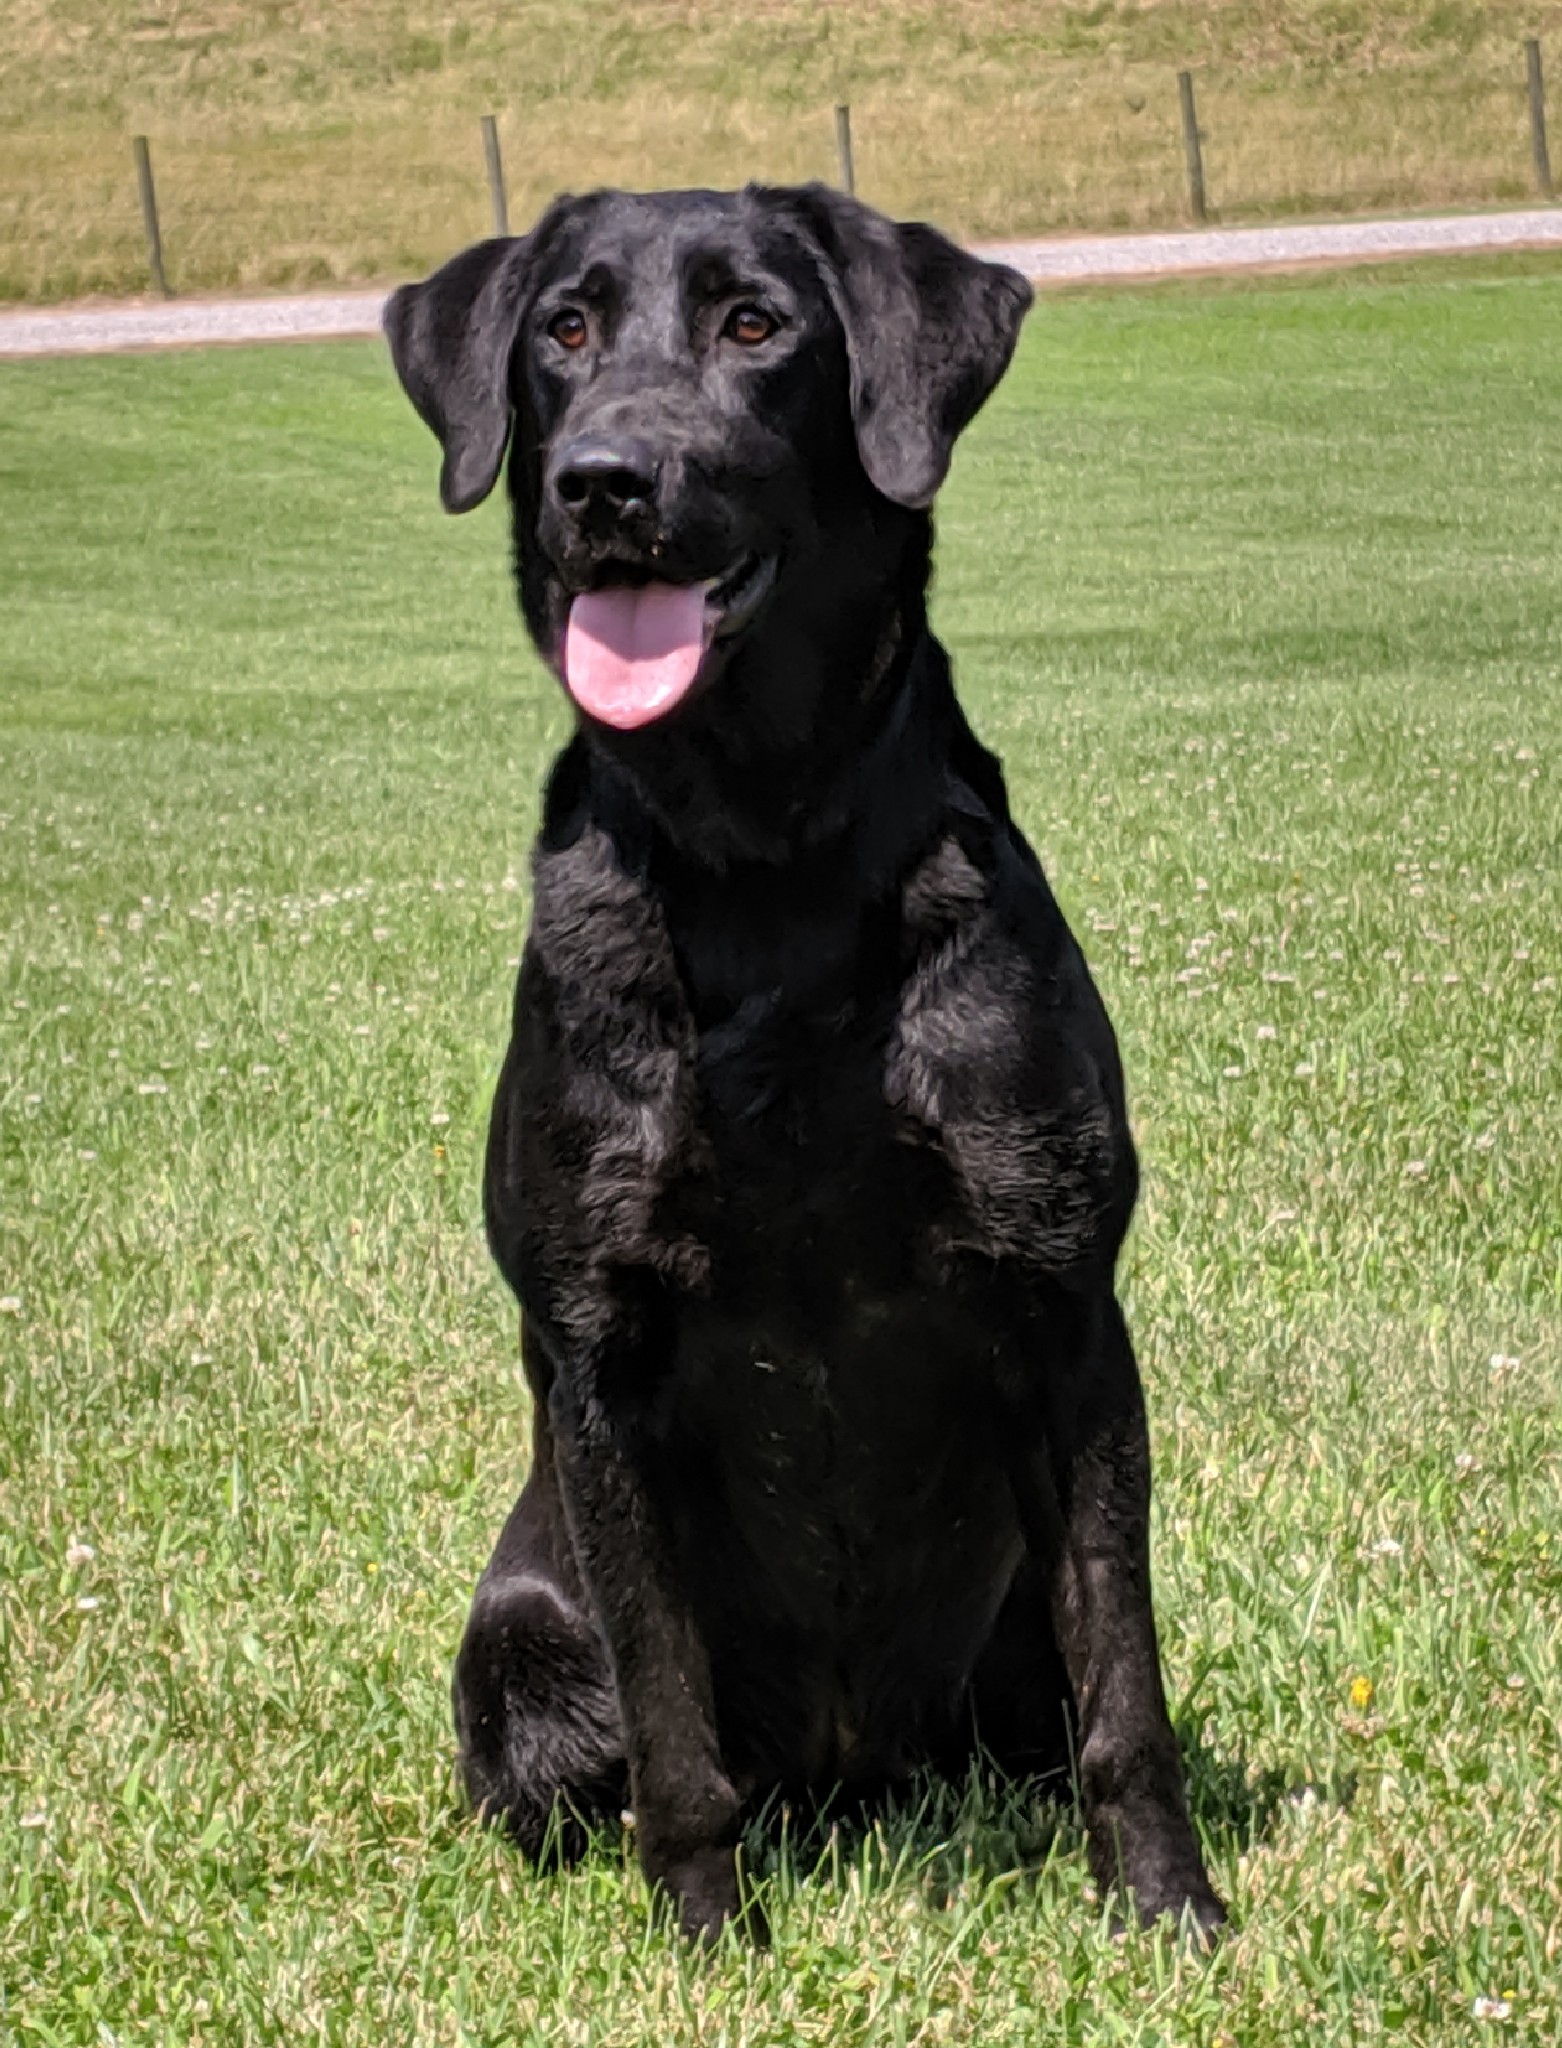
<point>941,1833</point>
<point>934,1832</point>
<point>1235,1808</point>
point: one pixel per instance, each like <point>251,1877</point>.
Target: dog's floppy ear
<point>450,339</point>
<point>929,331</point>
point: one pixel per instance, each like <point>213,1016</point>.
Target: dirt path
<point>1075,260</point>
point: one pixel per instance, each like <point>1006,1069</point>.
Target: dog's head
<point>716,399</point>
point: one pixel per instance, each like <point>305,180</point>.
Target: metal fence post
<point>495,175</point>
<point>1537,118</point>
<point>148,191</point>
<point>1192,143</point>
<point>843,148</point>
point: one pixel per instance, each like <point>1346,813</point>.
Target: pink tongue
<point>629,655</point>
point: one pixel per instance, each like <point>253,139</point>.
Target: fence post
<point>1191,143</point>
<point>495,175</point>
<point>154,238</point>
<point>1537,118</point>
<point>843,148</point>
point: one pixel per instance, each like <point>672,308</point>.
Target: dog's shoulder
<point>1003,1054</point>
<point>595,1112</point>
<point>598,949</point>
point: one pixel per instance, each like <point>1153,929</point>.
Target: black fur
<point>809,1162</point>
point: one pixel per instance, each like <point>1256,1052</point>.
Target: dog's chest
<point>805,1115</point>
<point>819,1197</point>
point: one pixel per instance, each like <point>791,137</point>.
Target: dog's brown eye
<point>748,325</point>
<point>569,330</point>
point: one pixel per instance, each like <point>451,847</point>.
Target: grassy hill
<point>297,142</point>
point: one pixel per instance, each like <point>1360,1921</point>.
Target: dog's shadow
<point>940,1834</point>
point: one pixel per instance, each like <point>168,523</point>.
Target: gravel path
<point>1346,241</point>
<point>1074,260</point>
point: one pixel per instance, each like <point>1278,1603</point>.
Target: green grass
<point>1259,594</point>
<point>304,141</point>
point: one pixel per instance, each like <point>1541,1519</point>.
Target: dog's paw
<point>1196,1909</point>
<point>706,1896</point>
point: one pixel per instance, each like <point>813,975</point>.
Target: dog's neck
<point>779,851</point>
<point>825,736</point>
<point>727,797</point>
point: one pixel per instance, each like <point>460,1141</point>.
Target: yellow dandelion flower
<point>1361,1691</point>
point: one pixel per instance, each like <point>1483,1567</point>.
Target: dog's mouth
<point>634,650</point>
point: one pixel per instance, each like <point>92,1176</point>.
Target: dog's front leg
<point>1083,1477</point>
<point>687,1811</point>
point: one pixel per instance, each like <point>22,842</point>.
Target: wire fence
<point>1183,148</point>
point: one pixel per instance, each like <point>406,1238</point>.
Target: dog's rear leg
<point>536,1712</point>
<point>1085,1496</point>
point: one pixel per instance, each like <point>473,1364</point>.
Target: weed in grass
<point>1258,593</point>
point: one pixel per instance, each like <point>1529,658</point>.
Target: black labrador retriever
<point>809,1162</point>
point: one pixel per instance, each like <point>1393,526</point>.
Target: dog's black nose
<point>607,477</point>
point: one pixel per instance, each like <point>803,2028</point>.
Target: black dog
<point>809,1161</point>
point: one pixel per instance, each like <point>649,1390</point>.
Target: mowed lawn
<point>1260,594</point>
